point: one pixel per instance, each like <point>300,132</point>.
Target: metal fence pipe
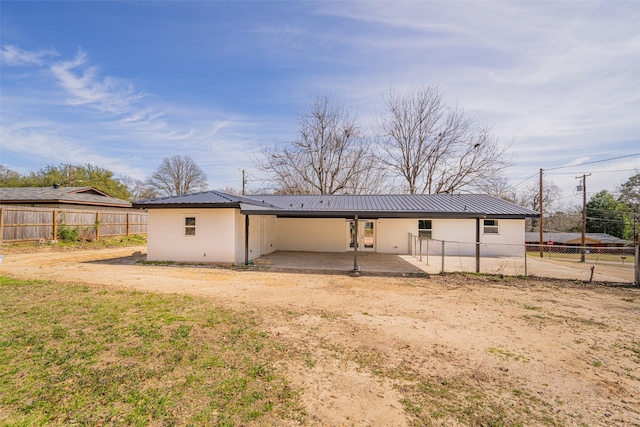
<point>637,269</point>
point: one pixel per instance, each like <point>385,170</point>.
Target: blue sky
<point>122,85</point>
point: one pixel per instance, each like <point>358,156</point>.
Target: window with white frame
<point>189,226</point>
<point>425,228</point>
<point>490,226</point>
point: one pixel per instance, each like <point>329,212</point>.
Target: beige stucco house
<point>215,227</point>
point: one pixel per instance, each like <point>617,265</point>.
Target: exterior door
<point>366,235</point>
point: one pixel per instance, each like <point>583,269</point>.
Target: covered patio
<point>368,262</point>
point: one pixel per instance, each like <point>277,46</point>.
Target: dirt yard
<point>400,351</point>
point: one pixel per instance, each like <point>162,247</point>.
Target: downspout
<point>355,243</point>
<point>246,239</point>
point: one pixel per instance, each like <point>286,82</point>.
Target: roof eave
<point>65,202</point>
<point>184,205</point>
<point>374,214</point>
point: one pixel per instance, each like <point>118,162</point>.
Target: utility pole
<point>541,222</point>
<point>70,175</point>
<point>584,213</point>
<point>244,181</point>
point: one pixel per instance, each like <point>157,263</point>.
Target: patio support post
<point>246,240</point>
<point>477,245</point>
<point>355,243</point>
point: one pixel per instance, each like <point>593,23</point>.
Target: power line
<point>595,161</point>
<point>522,182</point>
<point>571,173</point>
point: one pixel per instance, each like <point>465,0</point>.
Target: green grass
<point>78,355</point>
<point>105,242</point>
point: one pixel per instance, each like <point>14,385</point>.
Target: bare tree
<point>139,189</point>
<point>231,190</point>
<point>499,187</point>
<point>530,198</point>
<point>330,155</point>
<point>178,175</point>
<point>434,148</point>
<point>568,220</point>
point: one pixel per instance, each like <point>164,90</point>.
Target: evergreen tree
<point>606,215</point>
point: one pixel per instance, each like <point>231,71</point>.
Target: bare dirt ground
<point>547,353</point>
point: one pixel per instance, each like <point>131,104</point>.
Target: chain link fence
<point>588,264</point>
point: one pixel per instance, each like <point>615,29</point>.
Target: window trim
<point>186,226</point>
<point>428,232</point>
<point>486,228</point>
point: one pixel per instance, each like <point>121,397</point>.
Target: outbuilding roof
<point>64,195</point>
<point>341,206</point>
<point>574,238</point>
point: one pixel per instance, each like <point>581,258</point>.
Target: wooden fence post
<point>55,225</point>
<point>128,222</point>
<point>1,224</point>
<point>97,226</point>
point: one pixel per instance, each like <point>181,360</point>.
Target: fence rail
<point>611,264</point>
<point>24,224</point>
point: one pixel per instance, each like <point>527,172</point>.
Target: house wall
<point>392,234</point>
<point>238,231</point>
<point>262,235</point>
<point>220,236</point>
<point>460,235</point>
<point>215,240</point>
<point>312,234</point>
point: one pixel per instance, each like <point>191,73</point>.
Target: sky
<point>124,84</point>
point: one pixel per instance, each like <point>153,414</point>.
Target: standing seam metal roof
<point>326,205</point>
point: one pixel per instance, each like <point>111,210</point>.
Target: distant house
<point>217,227</point>
<point>596,240</point>
<point>61,197</point>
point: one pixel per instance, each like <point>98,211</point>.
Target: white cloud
<point>86,87</point>
<point>110,122</point>
<point>13,55</point>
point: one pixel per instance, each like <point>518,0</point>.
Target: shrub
<point>67,233</point>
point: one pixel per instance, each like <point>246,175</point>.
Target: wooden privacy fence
<point>23,224</point>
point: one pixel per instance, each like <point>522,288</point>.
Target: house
<point>61,197</point>
<point>595,240</point>
<point>216,227</point>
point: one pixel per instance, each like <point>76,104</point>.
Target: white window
<point>189,225</point>
<point>425,228</point>
<point>490,226</point>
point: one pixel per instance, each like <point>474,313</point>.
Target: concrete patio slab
<point>339,261</point>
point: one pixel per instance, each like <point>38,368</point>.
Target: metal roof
<point>68,195</point>
<point>572,237</point>
<point>205,199</point>
<point>372,206</point>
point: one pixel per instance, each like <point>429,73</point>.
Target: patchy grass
<point>78,355</point>
<point>60,245</point>
<point>508,355</point>
<point>455,400</point>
